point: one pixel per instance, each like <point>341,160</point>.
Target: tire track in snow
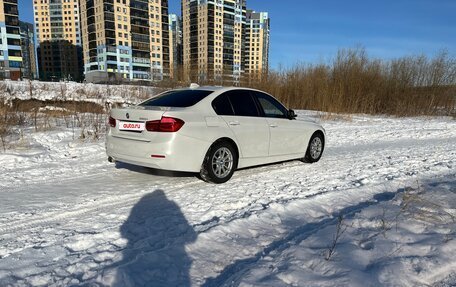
<point>231,274</point>
<point>97,205</point>
<point>123,200</point>
<point>330,162</point>
<point>107,203</point>
<point>120,200</point>
<point>90,207</point>
<point>64,176</point>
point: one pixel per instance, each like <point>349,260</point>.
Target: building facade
<point>58,35</point>
<point>214,40</point>
<point>10,41</point>
<point>29,63</point>
<point>257,44</point>
<point>175,51</point>
<point>125,40</point>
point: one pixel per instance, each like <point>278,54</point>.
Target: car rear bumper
<point>174,153</point>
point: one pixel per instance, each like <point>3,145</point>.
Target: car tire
<point>315,148</point>
<point>219,163</point>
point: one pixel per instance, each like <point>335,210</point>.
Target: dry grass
<point>351,83</point>
<point>415,205</point>
<point>354,83</point>
<point>18,115</point>
<point>334,117</point>
<point>6,119</point>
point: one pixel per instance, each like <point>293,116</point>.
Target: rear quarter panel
<point>204,126</point>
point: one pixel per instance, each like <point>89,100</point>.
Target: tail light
<point>112,122</point>
<point>165,125</point>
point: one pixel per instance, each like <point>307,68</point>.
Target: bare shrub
<point>355,83</point>
<point>92,125</point>
<point>5,128</point>
<point>63,90</point>
<point>415,205</point>
<point>30,84</point>
<point>7,120</point>
<point>340,230</point>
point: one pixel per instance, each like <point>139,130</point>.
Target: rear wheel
<point>315,148</point>
<point>220,163</point>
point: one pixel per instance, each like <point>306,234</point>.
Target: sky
<point>304,31</point>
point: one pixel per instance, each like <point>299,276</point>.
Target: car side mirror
<point>291,114</point>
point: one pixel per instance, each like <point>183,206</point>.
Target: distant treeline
<point>355,83</point>
<point>352,82</point>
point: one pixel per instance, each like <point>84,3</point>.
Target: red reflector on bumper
<point>157,156</point>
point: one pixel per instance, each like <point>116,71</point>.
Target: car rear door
<point>286,136</point>
<point>240,112</point>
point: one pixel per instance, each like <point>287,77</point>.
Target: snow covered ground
<point>70,218</point>
<point>68,91</point>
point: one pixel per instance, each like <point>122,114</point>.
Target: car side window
<point>243,103</point>
<point>271,107</point>
<point>222,106</point>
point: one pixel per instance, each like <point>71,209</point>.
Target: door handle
<point>234,123</point>
<point>273,126</point>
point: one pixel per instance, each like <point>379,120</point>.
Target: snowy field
<point>378,210</point>
<point>69,91</point>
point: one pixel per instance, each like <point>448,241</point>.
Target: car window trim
<point>254,102</point>
<point>258,104</point>
<point>231,105</point>
<point>229,101</point>
<point>142,104</point>
<point>261,107</point>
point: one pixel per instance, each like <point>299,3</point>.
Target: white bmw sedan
<point>212,131</point>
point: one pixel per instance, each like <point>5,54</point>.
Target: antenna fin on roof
<point>194,86</point>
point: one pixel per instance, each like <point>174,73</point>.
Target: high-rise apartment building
<point>257,44</point>
<point>214,40</point>
<point>10,41</point>
<point>125,39</point>
<point>175,40</point>
<point>58,35</point>
<point>29,63</point>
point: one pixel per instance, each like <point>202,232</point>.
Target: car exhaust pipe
<point>110,159</point>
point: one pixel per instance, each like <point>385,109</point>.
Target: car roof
<point>216,88</point>
<point>215,92</point>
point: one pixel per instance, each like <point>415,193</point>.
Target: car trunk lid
<point>130,122</point>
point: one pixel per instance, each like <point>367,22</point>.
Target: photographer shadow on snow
<point>155,255</point>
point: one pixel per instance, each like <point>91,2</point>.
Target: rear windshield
<point>177,99</point>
